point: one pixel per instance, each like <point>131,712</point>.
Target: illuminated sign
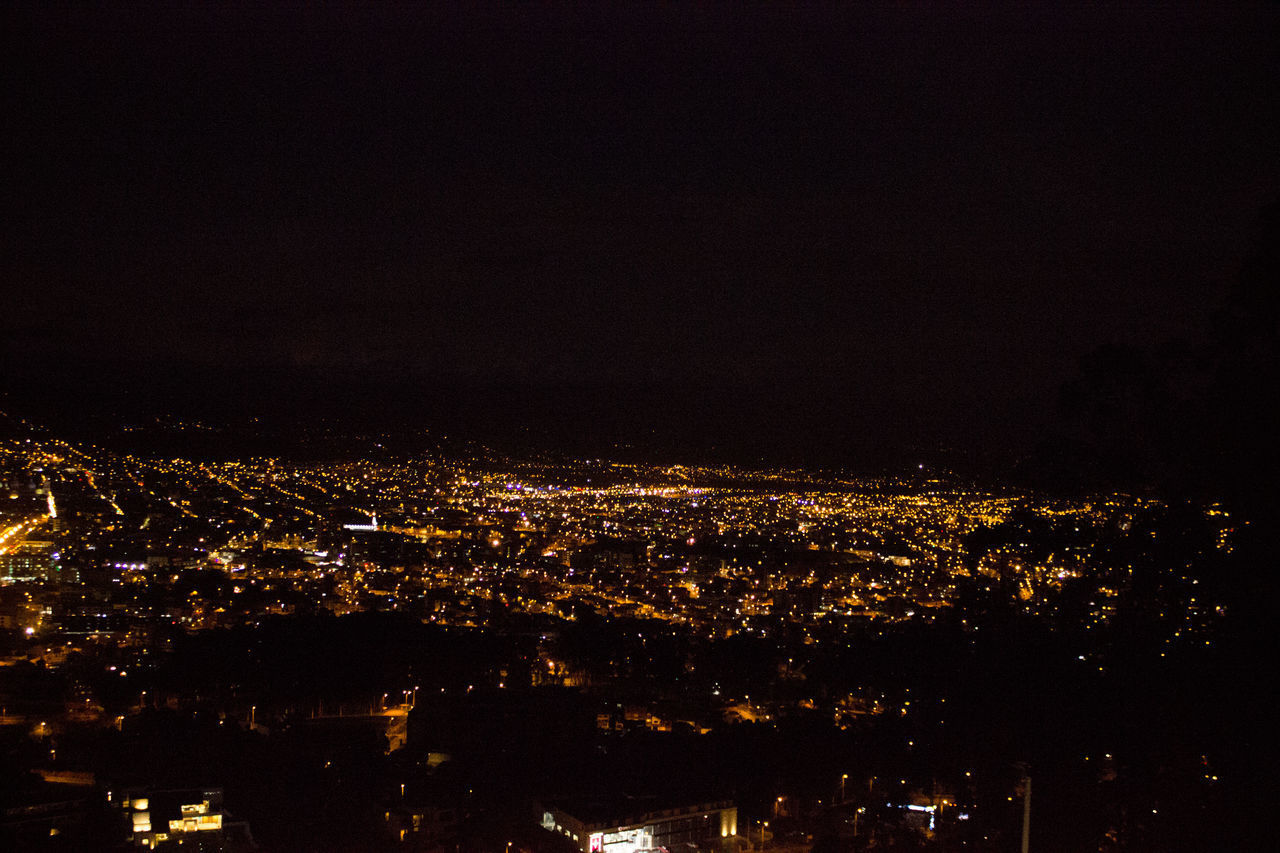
<point>933,820</point>
<point>597,842</point>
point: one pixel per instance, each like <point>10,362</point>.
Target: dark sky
<point>898,225</point>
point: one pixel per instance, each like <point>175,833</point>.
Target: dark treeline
<point>1191,416</point>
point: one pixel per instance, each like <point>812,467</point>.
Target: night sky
<point>889,230</point>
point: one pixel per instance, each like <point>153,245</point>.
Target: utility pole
<point>1026,814</point>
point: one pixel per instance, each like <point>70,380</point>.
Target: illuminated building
<point>29,560</point>
<point>624,828</point>
<point>187,820</point>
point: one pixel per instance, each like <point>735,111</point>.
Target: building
<point>633,826</point>
<point>188,820</point>
<point>50,815</point>
<point>29,560</point>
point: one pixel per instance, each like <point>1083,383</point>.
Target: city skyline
<point>638,428</point>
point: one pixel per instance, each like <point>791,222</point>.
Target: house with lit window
<point>190,820</point>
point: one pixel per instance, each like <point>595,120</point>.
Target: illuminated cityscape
<point>422,607</point>
<point>639,427</point>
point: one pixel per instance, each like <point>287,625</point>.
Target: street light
<point>843,777</point>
